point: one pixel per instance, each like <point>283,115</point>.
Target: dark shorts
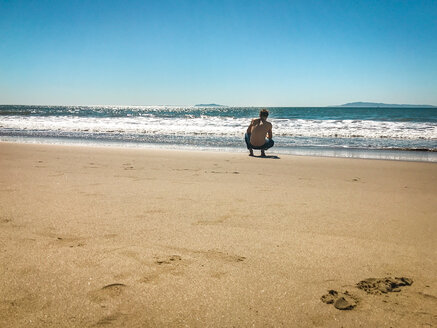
<point>268,144</point>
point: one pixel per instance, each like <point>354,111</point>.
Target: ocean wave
<point>219,126</point>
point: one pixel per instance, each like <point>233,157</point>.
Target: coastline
<point>410,155</point>
<point>131,237</point>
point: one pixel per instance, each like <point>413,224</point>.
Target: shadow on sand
<point>267,156</point>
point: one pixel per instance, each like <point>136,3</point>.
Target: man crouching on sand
<point>256,134</point>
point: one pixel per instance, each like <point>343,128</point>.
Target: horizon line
<point>219,105</point>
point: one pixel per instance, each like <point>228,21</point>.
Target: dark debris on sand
<point>341,301</point>
<point>384,285</point>
<point>346,301</point>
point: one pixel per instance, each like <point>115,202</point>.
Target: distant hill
<point>371,104</point>
<point>209,105</point>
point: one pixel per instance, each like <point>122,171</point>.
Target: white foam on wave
<point>220,126</point>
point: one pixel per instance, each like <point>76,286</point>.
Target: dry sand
<point>95,237</point>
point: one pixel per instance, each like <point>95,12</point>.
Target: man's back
<point>259,132</point>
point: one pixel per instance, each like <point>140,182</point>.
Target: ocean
<point>378,133</point>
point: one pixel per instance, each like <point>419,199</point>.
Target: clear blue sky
<point>255,53</point>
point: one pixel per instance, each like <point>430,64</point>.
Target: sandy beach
<point>112,237</point>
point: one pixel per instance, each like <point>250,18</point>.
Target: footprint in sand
<point>171,264</point>
<point>112,319</point>
<point>5,220</point>
<point>218,274</point>
<point>384,285</point>
<point>341,301</point>
<point>70,242</point>
<point>224,256</point>
<point>107,292</point>
<point>224,172</point>
<point>23,301</point>
<point>39,164</point>
<point>214,254</point>
<point>168,260</point>
<point>128,166</point>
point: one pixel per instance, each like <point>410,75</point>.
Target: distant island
<point>209,105</point>
<point>372,104</point>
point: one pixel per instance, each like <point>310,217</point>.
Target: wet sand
<point>95,237</point>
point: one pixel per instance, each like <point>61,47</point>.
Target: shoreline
<point>406,155</point>
<point>127,237</point>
